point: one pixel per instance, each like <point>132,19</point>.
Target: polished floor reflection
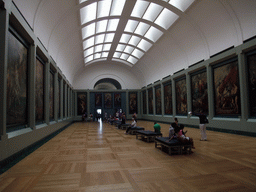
<point>95,156</point>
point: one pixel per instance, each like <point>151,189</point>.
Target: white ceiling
<point>166,36</point>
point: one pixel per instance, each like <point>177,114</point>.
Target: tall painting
<point>158,101</point>
<point>199,92</point>
<point>17,87</point>
<point>108,100</point>
<point>168,98</point>
<point>251,61</point>
<point>150,101</point>
<point>59,100</point>
<point>117,100</point>
<point>81,103</point>
<point>98,100</point>
<point>144,100</point>
<point>226,88</point>
<point>133,103</point>
<point>51,96</point>
<point>181,96</point>
<point>64,100</point>
<point>39,91</point>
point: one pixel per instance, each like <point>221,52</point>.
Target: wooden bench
<point>134,130</point>
<point>148,136</point>
<point>172,147</point>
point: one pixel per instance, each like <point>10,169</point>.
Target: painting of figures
<point>81,103</point>
<point>168,99</point>
<point>64,100</point>
<point>108,100</point>
<point>51,100</point>
<point>98,100</point>
<point>17,87</point>
<point>132,103</point>
<point>251,60</point>
<point>58,99</point>
<point>199,92</point>
<point>144,98</point>
<point>39,91</point>
<point>117,98</point>
<point>158,100</point>
<point>181,96</point>
<point>226,87</point>
<point>150,101</point>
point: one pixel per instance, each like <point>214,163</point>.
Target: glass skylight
<point>100,20</point>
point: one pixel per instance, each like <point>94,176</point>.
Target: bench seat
<point>148,136</point>
<point>134,130</point>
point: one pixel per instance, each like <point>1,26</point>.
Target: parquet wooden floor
<point>95,156</point>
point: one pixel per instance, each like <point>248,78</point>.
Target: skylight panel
<point>104,54</point>
<point>125,38</point>
<point>124,56</point>
<point>131,26</point>
<point>117,54</point>
<point>112,24</point>
<point>139,9</point>
<point>109,37</point>
<point>166,23</point>
<point>88,51</point>
<point>120,47</point>
<point>88,59</point>
<point>117,7</point>
<point>134,40</point>
<point>144,45</point>
<point>88,43</point>
<point>81,1</point>
<point>88,13</point>
<point>99,39</point>
<point>88,30</point>
<point>142,28</point>
<point>106,47</point>
<point>97,55</point>
<point>137,53</point>
<point>152,12</point>
<point>104,8</point>
<point>101,26</point>
<point>181,4</point>
<point>132,60</point>
<point>153,34</point>
<point>128,49</point>
<point>98,48</point>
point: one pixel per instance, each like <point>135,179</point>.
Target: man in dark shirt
<point>202,124</point>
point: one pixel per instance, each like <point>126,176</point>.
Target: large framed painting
<point>108,100</point>
<point>117,100</point>
<point>158,101</point>
<point>226,88</point>
<point>59,94</point>
<point>98,100</point>
<point>144,100</point>
<point>199,92</point>
<point>39,91</point>
<point>81,103</point>
<point>168,98</point>
<point>17,86</point>
<point>133,103</point>
<point>64,100</point>
<point>181,96</point>
<point>150,101</point>
<point>51,95</point>
<point>251,62</point>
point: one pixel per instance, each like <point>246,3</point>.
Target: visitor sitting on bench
<point>185,140</point>
<point>134,124</point>
<point>157,127</point>
<point>123,120</point>
<point>172,134</point>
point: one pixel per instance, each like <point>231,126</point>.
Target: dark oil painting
<point>17,78</point>
<point>39,91</point>
<point>199,92</point>
<point>181,97</point>
<point>168,99</point>
<point>226,87</point>
<point>58,99</point>
<point>64,100</point>
<point>144,100</point>
<point>51,96</point>
<point>108,100</point>
<point>133,103</point>
<point>251,60</point>
<point>150,101</point>
<point>158,100</point>
<point>117,100</point>
<point>81,103</point>
<point>98,100</point>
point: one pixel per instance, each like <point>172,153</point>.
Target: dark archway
<point>106,81</point>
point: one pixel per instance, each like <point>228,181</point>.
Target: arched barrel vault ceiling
<point>204,29</point>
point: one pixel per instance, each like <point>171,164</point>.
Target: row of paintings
<point>226,91</point>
